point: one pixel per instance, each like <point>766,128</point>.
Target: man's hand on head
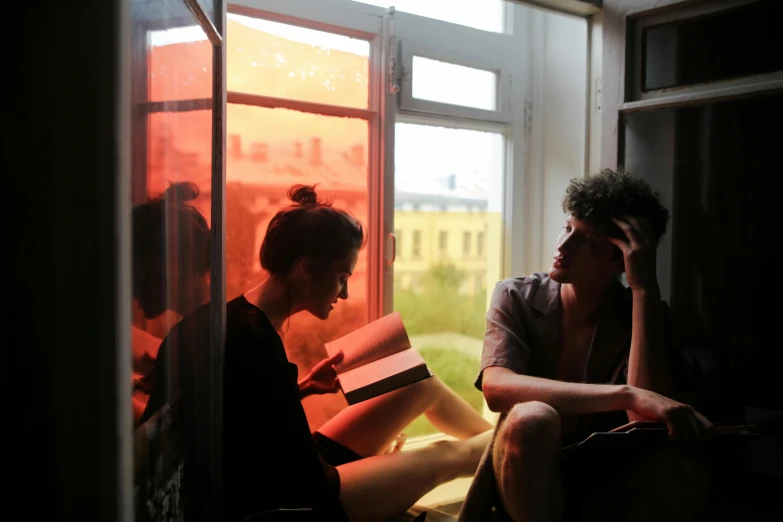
<point>638,248</point>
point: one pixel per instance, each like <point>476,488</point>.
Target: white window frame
<point>501,52</point>
<point>502,114</point>
<point>455,44</point>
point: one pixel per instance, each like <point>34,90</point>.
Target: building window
<point>466,244</point>
<point>480,243</point>
<point>443,242</point>
<point>416,247</point>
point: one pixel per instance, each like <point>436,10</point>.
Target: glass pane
<point>268,151</point>
<point>171,240</point>
<point>286,61</point>
<point>455,84</point>
<point>171,278</point>
<point>488,15</point>
<point>209,8</point>
<point>179,64</point>
<point>447,217</point>
<point>179,150</point>
<point>727,44</point>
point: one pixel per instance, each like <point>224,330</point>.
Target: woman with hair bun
<point>171,260</point>
<point>271,460</point>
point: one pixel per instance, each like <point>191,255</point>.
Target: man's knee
<point>531,424</point>
<point>526,447</point>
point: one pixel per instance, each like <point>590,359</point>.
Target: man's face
<point>584,255</point>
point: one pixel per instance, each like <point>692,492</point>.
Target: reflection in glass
<point>455,84</point>
<point>285,61</point>
<point>269,150</point>
<point>168,250</point>
<point>179,149</point>
<point>179,64</point>
<point>171,238</point>
<point>447,200</point>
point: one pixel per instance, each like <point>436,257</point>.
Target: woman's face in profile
<point>329,285</point>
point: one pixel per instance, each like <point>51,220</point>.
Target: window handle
<point>391,246</point>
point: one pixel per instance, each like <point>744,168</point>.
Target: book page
<point>373,341</point>
<point>380,369</point>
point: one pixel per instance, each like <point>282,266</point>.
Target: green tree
<point>439,307</point>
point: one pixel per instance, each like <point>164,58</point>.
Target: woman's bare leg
<point>369,427</point>
<point>383,486</point>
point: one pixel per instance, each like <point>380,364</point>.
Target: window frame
<point>361,26</point>
<point>637,97</point>
<point>469,47</point>
<point>502,113</point>
<point>389,33</point>
<point>141,108</point>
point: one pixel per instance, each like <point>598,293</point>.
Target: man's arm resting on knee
<point>503,388</point>
<point>648,361</point>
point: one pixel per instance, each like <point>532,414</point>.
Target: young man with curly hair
<point>573,351</point>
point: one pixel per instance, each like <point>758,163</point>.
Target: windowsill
<point>448,492</point>
<point>452,491</point>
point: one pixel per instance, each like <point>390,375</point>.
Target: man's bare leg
<point>380,487</point>
<point>526,459</point>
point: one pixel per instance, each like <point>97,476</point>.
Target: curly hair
<point>597,198</point>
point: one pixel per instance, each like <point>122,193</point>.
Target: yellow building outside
<point>470,241</point>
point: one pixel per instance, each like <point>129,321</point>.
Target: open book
<point>378,358</point>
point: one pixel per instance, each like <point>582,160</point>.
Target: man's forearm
<point>648,362</point>
<point>503,389</point>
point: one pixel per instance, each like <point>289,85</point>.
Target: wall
<point>67,420</point>
<point>595,92</point>
<point>557,147</point>
<point>650,151</point>
<point>612,66</point>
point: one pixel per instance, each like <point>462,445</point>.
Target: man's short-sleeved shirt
<point>523,334</point>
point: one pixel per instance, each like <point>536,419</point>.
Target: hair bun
<point>182,191</point>
<point>303,194</point>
